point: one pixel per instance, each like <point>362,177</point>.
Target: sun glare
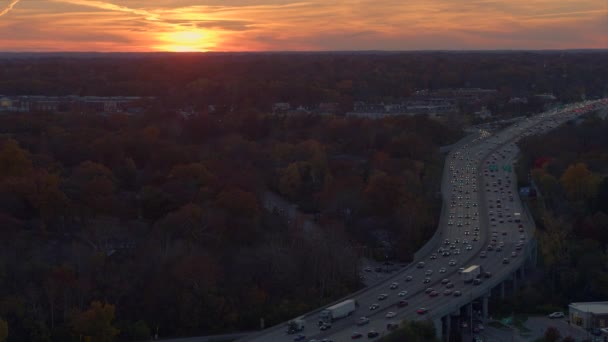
<point>187,41</point>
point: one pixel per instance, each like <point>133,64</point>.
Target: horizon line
<point>299,51</point>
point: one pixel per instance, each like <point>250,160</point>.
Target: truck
<point>517,217</point>
<point>338,311</point>
<point>471,272</point>
<point>295,325</point>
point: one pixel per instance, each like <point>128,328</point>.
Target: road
<point>480,209</point>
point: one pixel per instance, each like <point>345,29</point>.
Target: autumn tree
<point>3,330</point>
<point>185,223</point>
<point>552,334</point>
<point>91,188</point>
<point>290,181</point>
<point>96,322</point>
<point>578,182</point>
<point>384,193</point>
<point>14,161</point>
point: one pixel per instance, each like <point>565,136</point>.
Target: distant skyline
<point>315,25</point>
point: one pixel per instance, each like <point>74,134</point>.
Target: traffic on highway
<point>483,238</point>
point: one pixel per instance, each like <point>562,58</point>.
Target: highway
<point>480,197</point>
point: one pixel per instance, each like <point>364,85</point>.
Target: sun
<point>187,41</point>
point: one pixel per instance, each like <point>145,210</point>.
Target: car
<point>452,262</point>
<point>445,281</point>
<point>487,275</point>
<point>469,247</point>
<point>434,294</point>
<point>428,272</point>
<point>403,293</point>
<point>449,285</point>
<point>299,338</point>
<point>402,303</point>
<point>374,306</point>
<point>382,296</point>
<point>409,278</point>
<point>428,290</point>
<point>556,315</point>
<point>460,270</point>
<point>422,311</point>
<point>457,293</point>
<point>457,251</point>
<point>390,314</point>
<point>426,280</point>
<point>420,265</point>
<point>433,256</point>
<point>356,335</point>
<point>476,281</point>
<point>325,326</point>
<point>482,254</point>
<point>372,334</point>
<point>367,269</point>
<point>394,286</point>
<point>362,320</point>
<point>447,292</point>
<point>513,254</point>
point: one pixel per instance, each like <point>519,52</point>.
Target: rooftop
<point>598,308</point>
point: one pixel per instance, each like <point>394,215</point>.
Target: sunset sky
<point>261,25</point>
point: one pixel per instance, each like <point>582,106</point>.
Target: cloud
<point>9,7</point>
<point>310,24</point>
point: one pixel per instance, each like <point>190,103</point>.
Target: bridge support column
<point>484,309</point>
<point>514,277</point>
<point>502,290</point>
<point>448,328</point>
<point>438,323</point>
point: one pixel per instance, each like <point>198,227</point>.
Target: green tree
<point>96,322</point>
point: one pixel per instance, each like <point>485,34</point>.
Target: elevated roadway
<point>478,211</point>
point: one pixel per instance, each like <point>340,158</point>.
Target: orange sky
<point>254,25</point>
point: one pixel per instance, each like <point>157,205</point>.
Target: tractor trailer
<point>338,311</point>
<point>471,273</point>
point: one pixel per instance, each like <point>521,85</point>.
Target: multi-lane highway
<point>483,223</point>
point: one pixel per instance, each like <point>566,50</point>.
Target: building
<point>280,107</point>
<point>589,315</point>
<point>76,104</point>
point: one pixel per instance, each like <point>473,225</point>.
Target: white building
<point>589,315</point>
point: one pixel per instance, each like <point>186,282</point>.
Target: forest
<point>257,80</point>
<point>120,227</point>
<point>568,167</point>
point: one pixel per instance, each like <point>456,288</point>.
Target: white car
<point>403,293</point>
<point>382,296</point>
<point>394,286</point>
<point>442,270</point>
<point>390,314</point>
<point>374,306</point>
<point>557,315</point>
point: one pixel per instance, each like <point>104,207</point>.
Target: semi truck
<point>295,325</point>
<point>338,311</point>
<point>517,217</point>
<point>471,273</point>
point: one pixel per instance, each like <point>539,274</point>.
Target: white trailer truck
<point>295,325</point>
<point>471,273</point>
<point>339,310</point>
